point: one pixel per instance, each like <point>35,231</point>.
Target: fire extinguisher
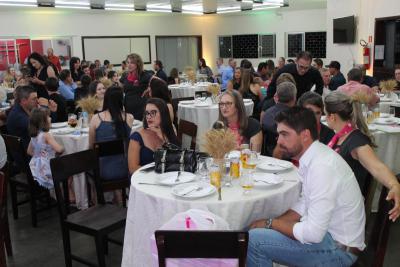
<point>366,54</point>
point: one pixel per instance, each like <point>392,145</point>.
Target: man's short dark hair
<point>304,55</point>
<point>98,74</point>
<point>106,62</point>
<point>355,74</point>
<point>159,63</point>
<point>261,66</point>
<point>23,92</point>
<point>311,98</point>
<point>51,84</point>
<point>64,74</point>
<point>85,81</point>
<point>299,119</point>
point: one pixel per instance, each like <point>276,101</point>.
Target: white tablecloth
<point>150,206</point>
<point>204,117</point>
<point>73,143</point>
<point>187,90</point>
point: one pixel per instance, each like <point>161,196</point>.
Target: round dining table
<point>187,89</point>
<point>74,141</point>
<point>204,116</point>
<point>151,205</point>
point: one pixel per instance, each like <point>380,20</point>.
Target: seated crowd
<point>336,161</point>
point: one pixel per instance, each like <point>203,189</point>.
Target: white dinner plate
<point>57,125</point>
<point>384,115</point>
<point>193,190</point>
<point>85,130</point>
<point>169,178</point>
<point>62,131</point>
<point>274,165</point>
<point>263,179</point>
<point>174,86</point>
<point>372,127</point>
<point>385,121</point>
<point>201,104</point>
<point>386,100</point>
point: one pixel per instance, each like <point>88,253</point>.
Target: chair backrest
<point>187,128</point>
<point>175,102</point>
<point>201,244</point>
<point>269,144</point>
<point>110,148</point>
<point>64,167</point>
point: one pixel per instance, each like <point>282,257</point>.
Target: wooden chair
<point>175,102</point>
<point>201,244</point>
<point>97,221</point>
<point>5,241</point>
<point>20,179</point>
<point>187,128</point>
<point>374,253</point>
<point>113,148</point>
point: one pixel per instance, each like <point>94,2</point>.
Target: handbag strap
<point>163,161</point>
<point>182,161</point>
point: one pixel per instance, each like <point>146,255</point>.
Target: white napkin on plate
<point>188,189</point>
<point>269,178</point>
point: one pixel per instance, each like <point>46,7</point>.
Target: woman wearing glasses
<point>232,113</point>
<point>157,130</point>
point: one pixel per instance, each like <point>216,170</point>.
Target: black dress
<point>40,89</point>
<point>325,134</point>
<point>256,100</point>
<point>76,76</point>
<point>61,107</point>
<point>354,140</point>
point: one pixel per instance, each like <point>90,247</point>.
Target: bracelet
<point>268,223</point>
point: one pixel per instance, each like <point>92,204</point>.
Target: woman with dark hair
<point>83,90</point>
<point>232,113</point>
<point>112,75</point>
<point>75,68</point>
<point>204,69</point>
<point>234,84</point>
<point>251,90</point>
<point>354,143</point>
<point>157,130</point>
<point>97,90</point>
<point>111,124</point>
<point>173,76</point>
<point>135,82</point>
<point>159,89</point>
<point>40,71</point>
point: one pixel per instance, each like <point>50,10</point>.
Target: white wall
<point>366,12</point>
<point>36,23</point>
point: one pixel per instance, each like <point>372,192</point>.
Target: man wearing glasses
<point>304,74</point>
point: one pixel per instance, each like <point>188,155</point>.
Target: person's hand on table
<point>258,224</point>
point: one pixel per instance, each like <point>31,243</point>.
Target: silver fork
<point>195,189</point>
<point>177,177</point>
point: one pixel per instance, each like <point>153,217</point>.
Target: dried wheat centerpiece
<point>387,86</point>
<point>218,142</point>
<point>361,97</point>
<point>89,104</point>
<point>190,74</point>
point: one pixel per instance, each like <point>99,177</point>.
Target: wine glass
<point>202,169</point>
<point>392,111</point>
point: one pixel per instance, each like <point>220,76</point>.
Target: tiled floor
<point>42,246</point>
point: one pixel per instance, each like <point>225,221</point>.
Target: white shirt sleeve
<point>3,153</point>
<point>300,206</point>
<point>320,202</point>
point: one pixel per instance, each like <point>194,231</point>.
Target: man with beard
<point>326,225</point>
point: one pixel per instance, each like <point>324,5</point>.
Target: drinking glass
<point>72,120</point>
<point>247,181</point>
<point>376,112</point>
<point>202,169</point>
<point>215,175</point>
<point>392,111</point>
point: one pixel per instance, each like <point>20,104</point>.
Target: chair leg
<point>33,208</point>
<point>105,244</point>
<point>67,247</point>
<point>124,197</point>
<point>3,262</point>
<point>7,238</point>
<point>14,200</point>
<point>100,250</point>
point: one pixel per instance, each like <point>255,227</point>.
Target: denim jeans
<point>267,246</point>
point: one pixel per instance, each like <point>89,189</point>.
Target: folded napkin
<point>269,178</point>
<point>388,128</point>
<point>188,189</point>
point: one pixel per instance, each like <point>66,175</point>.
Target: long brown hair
<point>245,81</point>
<point>348,109</point>
<point>238,102</point>
<point>38,121</point>
<point>137,59</point>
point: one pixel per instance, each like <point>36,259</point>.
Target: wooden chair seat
<point>98,218</point>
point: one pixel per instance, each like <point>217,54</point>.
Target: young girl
<point>42,147</point>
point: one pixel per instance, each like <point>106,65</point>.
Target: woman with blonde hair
<point>135,82</point>
<point>355,144</point>
<point>9,77</point>
<point>232,113</point>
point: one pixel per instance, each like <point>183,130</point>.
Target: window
<point>225,46</point>
<point>267,45</point>
<point>295,44</point>
<point>247,46</point>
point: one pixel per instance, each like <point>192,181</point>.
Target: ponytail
<point>358,120</point>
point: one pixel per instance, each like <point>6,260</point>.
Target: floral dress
<point>40,162</point>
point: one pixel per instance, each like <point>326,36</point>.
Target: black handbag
<point>172,158</point>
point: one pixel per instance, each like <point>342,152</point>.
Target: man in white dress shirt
<point>326,225</point>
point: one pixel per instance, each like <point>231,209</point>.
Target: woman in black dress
<point>75,68</point>
<point>354,143</point>
<point>40,71</point>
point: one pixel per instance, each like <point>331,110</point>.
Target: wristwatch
<point>268,223</point>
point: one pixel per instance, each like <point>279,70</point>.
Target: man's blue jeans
<point>267,246</point>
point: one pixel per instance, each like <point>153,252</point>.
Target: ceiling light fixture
<point>18,1</point>
<point>119,6</point>
<point>18,4</point>
<point>69,3</point>
<point>119,9</point>
<point>159,10</point>
<point>72,7</point>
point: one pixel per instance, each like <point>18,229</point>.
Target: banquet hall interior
<point>134,131</point>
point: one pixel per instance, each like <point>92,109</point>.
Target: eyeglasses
<point>225,104</point>
<point>300,67</point>
<point>151,113</point>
